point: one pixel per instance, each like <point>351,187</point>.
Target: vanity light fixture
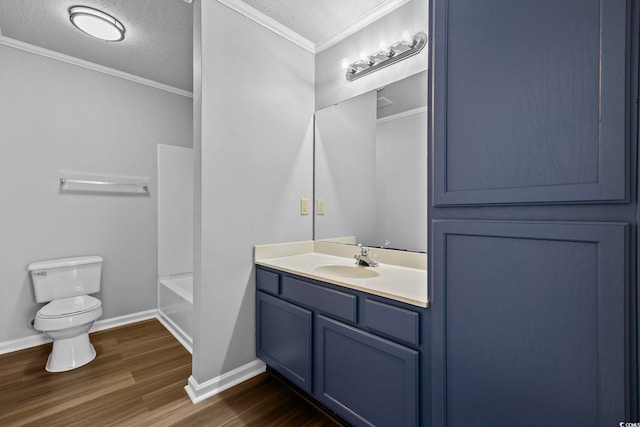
<point>96,23</point>
<point>409,45</point>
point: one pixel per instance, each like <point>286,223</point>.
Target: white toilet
<point>71,312</point>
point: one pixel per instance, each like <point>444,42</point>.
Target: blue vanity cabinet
<point>366,379</point>
<point>283,338</point>
<point>359,355</point>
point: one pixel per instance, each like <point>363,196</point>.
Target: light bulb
<point>408,38</point>
<point>385,49</point>
<point>364,57</point>
<point>345,64</point>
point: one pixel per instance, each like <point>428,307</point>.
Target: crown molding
<point>287,33</point>
<point>37,50</point>
<point>360,23</point>
<point>402,114</point>
<point>269,23</point>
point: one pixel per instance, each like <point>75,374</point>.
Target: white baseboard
<point>176,331</point>
<point>100,325</point>
<point>22,343</point>
<point>199,392</point>
<point>114,322</point>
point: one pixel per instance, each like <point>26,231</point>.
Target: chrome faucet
<point>363,258</point>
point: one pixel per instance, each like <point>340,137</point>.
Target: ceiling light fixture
<point>96,23</point>
<point>409,45</point>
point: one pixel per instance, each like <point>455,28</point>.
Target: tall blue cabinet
<point>533,212</point>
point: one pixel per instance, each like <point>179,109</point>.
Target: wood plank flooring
<point>138,379</point>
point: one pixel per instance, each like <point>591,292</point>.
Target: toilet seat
<point>66,313</point>
<point>69,306</point>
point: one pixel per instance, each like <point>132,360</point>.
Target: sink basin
<point>347,271</point>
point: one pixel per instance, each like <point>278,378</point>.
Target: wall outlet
<point>304,206</point>
<point>320,207</point>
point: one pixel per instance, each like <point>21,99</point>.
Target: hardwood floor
<point>138,379</point>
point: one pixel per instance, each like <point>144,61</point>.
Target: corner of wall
<point>200,391</point>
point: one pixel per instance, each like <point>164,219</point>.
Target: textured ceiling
<point>315,20</point>
<point>158,44</point>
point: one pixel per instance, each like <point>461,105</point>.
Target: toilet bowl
<point>70,313</point>
<point>67,322</point>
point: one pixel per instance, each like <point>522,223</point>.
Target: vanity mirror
<point>371,168</point>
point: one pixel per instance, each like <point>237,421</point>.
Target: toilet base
<point>70,353</point>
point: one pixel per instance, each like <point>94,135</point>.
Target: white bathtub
<point>175,306</point>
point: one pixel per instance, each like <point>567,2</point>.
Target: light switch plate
<point>304,206</point>
<point>320,207</point>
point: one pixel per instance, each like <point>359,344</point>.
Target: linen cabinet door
<point>529,101</point>
<point>528,324</point>
<point>284,339</point>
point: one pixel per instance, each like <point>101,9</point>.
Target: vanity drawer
<point>327,301</point>
<point>267,281</point>
<point>391,321</point>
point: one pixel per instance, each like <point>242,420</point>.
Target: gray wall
<point>175,210</point>
<point>59,120</point>
<point>254,139</point>
<point>331,85</point>
<point>401,182</point>
<point>345,169</point>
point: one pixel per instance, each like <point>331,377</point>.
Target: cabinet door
<point>283,335</point>
<point>528,324</point>
<point>365,379</point>
<point>529,101</point>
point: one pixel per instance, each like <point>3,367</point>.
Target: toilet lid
<point>69,306</point>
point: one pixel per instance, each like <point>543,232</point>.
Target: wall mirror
<point>370,168</point>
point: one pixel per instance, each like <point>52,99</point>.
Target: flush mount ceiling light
<point>96,23</point>
<point>409,45</point>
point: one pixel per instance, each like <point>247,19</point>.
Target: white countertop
<point>404,283</point>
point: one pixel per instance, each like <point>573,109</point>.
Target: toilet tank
<point>65,277</point>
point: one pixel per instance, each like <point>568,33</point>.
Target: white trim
<point>127,319</point>
<point>360,23</point>
<point>188,1</point>
<point>176,331</point>
<point>37,50</point>
<point>22,343</point>
<point>269,23</point>
<point>39,339</point>
<point>287,33</point>
<point>402,114</point>
<point>199,392</point>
